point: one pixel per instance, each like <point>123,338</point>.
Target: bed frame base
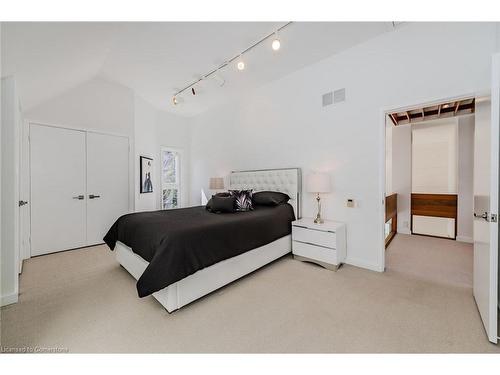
<point>208,279</point>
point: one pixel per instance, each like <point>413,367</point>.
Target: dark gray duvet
<point>179,242</point>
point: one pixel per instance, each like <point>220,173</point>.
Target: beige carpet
<point>433,259</point>
<point>84,301</point>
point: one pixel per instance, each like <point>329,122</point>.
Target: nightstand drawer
<point>315,237</point>
<point>321,254</point>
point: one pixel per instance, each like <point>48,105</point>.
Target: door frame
<point>400,107</point>
<point>26,141</point>
<point>494,170</point>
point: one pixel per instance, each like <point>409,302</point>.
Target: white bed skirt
<point>208,279</point>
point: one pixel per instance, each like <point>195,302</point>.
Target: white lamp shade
<point>216,183</point>
<point>318,183</point>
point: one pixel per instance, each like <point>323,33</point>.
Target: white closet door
<point>107,183</point>
<point>486,162</point>
<point>58,219</point>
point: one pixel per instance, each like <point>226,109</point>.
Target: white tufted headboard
<point>286,180</point>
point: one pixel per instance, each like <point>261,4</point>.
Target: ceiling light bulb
<point>241,65</point>
<point>174,100</point>
<point>276,44</point>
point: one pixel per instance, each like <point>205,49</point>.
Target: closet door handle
<point>92,196</point>
<point>80,197</point>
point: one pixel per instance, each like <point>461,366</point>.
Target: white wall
<point>98,105</point>
<point>9,192</point>
<point>388,157</point>
<point>1,173</point>
<point>105,106</point>
<point>498,42</point>
<point>155,129</point>
<point>145,145</point>
<point>434,166</point>
<point>465,178</point>
<point>401,174</point>
<point>282,124</point>
<point>435,157</point>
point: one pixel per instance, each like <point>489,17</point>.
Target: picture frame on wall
<point>146,173</point>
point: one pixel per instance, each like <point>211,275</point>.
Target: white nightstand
<point>323,244</point>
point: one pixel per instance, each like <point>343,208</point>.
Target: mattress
<point>180,242</point>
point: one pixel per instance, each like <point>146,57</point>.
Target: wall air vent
<point>327,99</point>
<point>339,96</point>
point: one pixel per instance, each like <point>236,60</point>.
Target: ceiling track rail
<point>229,61</point>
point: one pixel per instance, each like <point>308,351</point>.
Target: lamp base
<point>318,220</point>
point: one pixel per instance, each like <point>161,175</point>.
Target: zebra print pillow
<point>243,199</point>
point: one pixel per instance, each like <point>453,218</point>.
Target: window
<point>170,179</point>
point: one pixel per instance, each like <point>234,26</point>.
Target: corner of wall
<point>9,218</point>
<point>497,37</point>
<point>153,129</point>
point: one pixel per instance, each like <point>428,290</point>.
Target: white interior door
<point>57,158</point>
<point>24,196</point>
<point>107,183</point>
<point>486,152</point>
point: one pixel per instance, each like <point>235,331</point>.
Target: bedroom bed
<point>181,255</point>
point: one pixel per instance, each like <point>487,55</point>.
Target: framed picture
<point>146,174</point>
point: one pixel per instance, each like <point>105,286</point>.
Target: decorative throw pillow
<point>243,199</point>
<point>269,198</point>
<point>209,204</point>
<point>221,204</point>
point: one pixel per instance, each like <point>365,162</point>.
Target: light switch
<point>350,203</point>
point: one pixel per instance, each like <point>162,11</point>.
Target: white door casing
<point>24,195</point>
<point>107,183</point>
<point>58,212</point>
<point>486,153</point>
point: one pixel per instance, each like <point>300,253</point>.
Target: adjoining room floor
<point>431,259</point>
<point>84,301</point>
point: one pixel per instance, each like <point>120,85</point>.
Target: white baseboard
<point>465,239</point>
<point>363,264</point>
<point>8,299</point>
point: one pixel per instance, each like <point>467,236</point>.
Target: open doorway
<point>429,191</point>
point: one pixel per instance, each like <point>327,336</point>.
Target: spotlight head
<point>240,65</point>
<point>192,90</point>
<point>174,100</point>
<point>276,44</point>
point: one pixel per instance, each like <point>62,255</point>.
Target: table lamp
<point>216,183</point>
<point>318,183</point>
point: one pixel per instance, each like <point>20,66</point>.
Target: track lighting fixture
<point>276,44</point>
<point>241,64</point>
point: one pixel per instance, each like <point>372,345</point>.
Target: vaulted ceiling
<point>156,59</point>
